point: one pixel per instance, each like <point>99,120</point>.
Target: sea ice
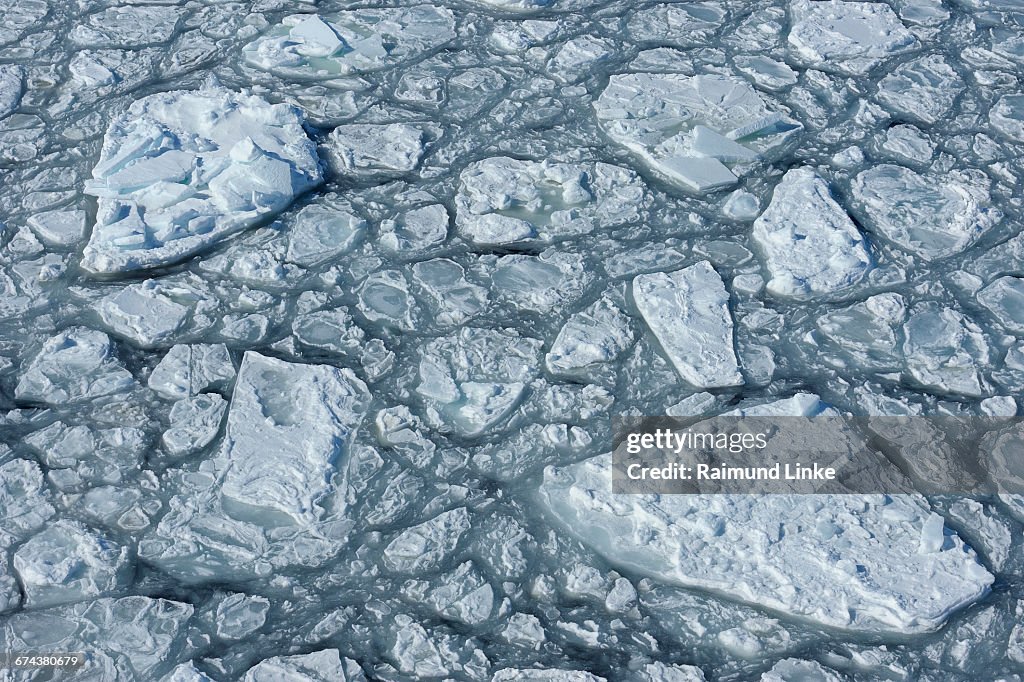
<point>1005,299</point>
<point>1007,116</point>
<point>11,77</point>
<point>688,312</point>
<point>923,90</point>
<point>699,132</point>
<point>867,574</point>
<point>319,666</point>
<point>309,46</point>
<point>929,215</point>
<point>182,170</point>
<point>76,364</point>
<point>504,201</point>
<point>850,38</point>
<point>379,150</point>
<point>190,370</point>
<point>944,350</point>
<point>810,245</point>
<point>597,335</point>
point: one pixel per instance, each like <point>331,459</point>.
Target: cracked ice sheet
<point>876,557</point>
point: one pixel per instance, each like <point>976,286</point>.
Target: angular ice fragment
<point>357,41</point>
<point>378,150</point>
<point>659,672</point>
<point>59,228</point>
<point>319,666</point>
<point>598,334</point>
<point>11,76</point>
<point>679,125</point>
<point>576,58</point>
<point>240,615</point>
<point>190,370</point>
<point>810,245</point>
<point>288,426</point>
<point>932,534</point>
<point>322,231</point>
<point>76,364</point>
<point>1005,299</point>
<point>455,299</point>
<point>850,38</point>
<point>688,312</point>
<point>544,675</point>
<point>1007,116</point>
<point>127,26</point>
<point>24,500</point>
<point>182,170</point>
<point>795,670</point>
<point>415,230</point>
<point>932,216</point>
<point>505,201</point>
<point>425,546</point>
<point>866,332</point>
<point>944,350</point>
<point>67,562</point>
<point>924,89</point>
<point>194,423</point>
<point>476,377</point>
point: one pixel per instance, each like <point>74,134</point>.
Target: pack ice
<point>181,170</point>
<point>873,563</point>
<point>309,46</point>
<point>699,132</point>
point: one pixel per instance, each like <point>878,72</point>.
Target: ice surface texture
<point>315,318</point>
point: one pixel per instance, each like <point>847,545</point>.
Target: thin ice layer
<point>182,170</point>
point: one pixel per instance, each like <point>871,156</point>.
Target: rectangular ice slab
<point>688,311</point>
<point>287,426</point>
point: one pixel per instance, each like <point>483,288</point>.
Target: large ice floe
<point>182,170</point>
<point>810,245</point>
<point>311,46</point>
<point>873,555</point>
<point>700,132</point>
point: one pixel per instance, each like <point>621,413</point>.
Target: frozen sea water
<point>314,317</point>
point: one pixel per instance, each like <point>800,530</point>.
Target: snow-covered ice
<point>182,170</point>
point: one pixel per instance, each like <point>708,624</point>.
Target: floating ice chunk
<point>476,377</point>
<point>67,562</point>
<point>379,150</point>
<point>540,283</point>
<point>182,170</point>
<point>127,26</point>
<point>24,500</point>
<point>331,330</point>
<point>358,41</point>
<point>924,89</point>
<point>240,615</point>
<point>678,25</point>
<point>319,666</point>
<point>141,313</point>
<point>688,312</point>
<point>576,58</point>
<point>288,426</point>
<point>767,73</point>
<point>944,350</point>
<point>659,672</point>
<point>932,534</point>
<point>416,230</point>
<point>505,201</point>
<point>194,423</point>
<point>909,144</point>
<point>928,215</point>
<point>544,675</point>
<point>796,670</point>
<point>765,549</point>
<point>128,638</point>
<point>1005,299</point>
<point>187,672</point>
<point>520,5</point>
<point>59,228</point>
<point>425,546</point>
<point>189,370</point>
<point>11,77</point>
<point>384,298</point>
<point>598,334</point>
<point>866,332</point>
<point>76,364</point>
<point>1007,116</point>
<point>846,37</point>
<point>321,232</point>
<point>741,205</point>
<point>524,629</point>
<point>810,245</point>
<point>657,116</point>
<point>455,300</point>
<point>464,595</point>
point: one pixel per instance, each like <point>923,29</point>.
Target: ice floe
<point>688,312</point>
<point>699,132</point>
<point>810,245</point>
<point>182,170</point>
<point>76,364</point>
